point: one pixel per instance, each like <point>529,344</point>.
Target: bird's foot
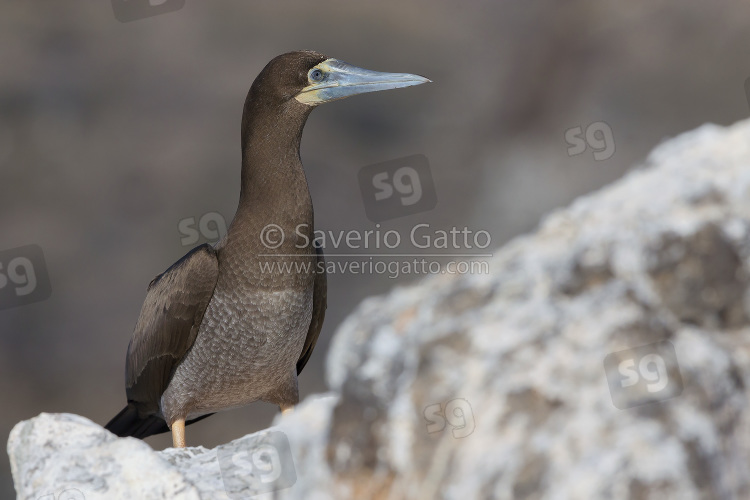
<point>286,410</point>
<point>178,433</point>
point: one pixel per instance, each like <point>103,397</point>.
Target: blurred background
<point>117,138</point>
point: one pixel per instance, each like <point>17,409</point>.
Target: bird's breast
<point>247,346</point>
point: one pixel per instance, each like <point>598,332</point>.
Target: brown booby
<point>217,330</point>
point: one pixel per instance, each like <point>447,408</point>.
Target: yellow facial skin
<point>310,95</point>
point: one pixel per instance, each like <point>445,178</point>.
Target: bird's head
<point>311,78</point>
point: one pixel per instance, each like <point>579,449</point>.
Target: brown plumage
<point>217,330</point>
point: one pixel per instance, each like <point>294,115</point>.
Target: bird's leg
<point>178,433</point>
<point>286,409</point>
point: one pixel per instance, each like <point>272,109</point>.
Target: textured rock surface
<point>67,457</point>
<point>523,383</point>
<point>661,255</point>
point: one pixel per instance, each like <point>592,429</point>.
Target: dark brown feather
<point>170,317</point>
<point>320,303</point>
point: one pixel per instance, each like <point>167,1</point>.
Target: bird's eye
<point>316,75</point>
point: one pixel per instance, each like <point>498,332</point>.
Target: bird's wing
<point>320,291</point>
<point>170,317</point>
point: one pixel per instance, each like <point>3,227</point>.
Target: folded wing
<point>320,302</point>
<point>167,326</point>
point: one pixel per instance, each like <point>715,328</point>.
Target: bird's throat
<point>274,191</point>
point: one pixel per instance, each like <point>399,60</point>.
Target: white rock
<point>67,457</point>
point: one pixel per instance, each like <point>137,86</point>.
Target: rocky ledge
<point>605,356</point>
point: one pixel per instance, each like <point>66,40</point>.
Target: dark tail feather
<point>128,423</point>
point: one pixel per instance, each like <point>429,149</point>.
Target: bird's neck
<point>274,188</point>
